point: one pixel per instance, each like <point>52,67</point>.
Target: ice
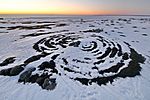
<point>127,31</point>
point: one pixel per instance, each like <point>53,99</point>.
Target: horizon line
<point>84,14</point>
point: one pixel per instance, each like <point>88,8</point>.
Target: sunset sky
<point>75,7</point>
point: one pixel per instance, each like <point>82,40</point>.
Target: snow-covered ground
<point>75,58</point>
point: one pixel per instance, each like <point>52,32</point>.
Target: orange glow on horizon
<point>56,12</point>
<point>62,11</point>
<point>51,7</point>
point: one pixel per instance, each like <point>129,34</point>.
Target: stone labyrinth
<point>82,57</point>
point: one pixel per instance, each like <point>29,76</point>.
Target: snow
<point>13,44</point>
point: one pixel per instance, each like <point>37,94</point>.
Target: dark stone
<point>113,53</point>
<point>127,44</point>
<point>132,70</point>
<point>105,54</point>
<point>120,50</point>
<point>36,45</point>
<point>55,56</point>
<point>125,56</point>
<point>46,64</point>
<point>95,51</point>
<point>7,61</point>
<point>52,63</point>
<point>123,35</point>
<point>5,72</point>
<point>48,44</point>
<point>99,80</point>
<point>62,45</point>
<point>55,71</point>
<point>144,34</point>
<point>136,57</point>
<point>94,30</point>
<point>114,68</point>
<point>33,78</point>
<point>99,62</point>
<point>75,44</point>
<point>33,58</point>
<point>134,27</point>
<point>30,27</point>
<point>95,68</point>
<point>68,70</point>
<point>16,70</point>
<point>40,79</point>
<point>60,25</point>
<point>65,61</point>
<point>49,84</point>
<point>103,80</point>
<point>25,76</point>
<point>84,81</point>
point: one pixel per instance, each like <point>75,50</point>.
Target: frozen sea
<point>74,57</point>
